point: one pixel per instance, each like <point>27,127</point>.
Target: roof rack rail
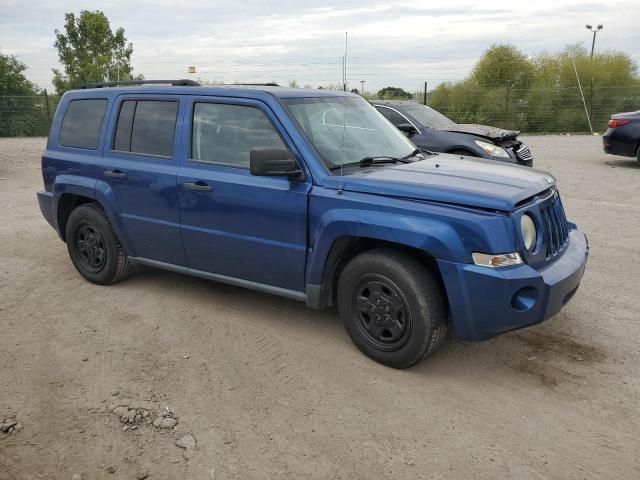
<point>269,84</point>
<point>175,83</point>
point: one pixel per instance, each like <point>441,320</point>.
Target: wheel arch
<point>70,191</point>
<point>67,203</point>
<point>347,247</point>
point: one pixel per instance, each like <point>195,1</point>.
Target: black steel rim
<point>383,317</point>
<point>90,248</point>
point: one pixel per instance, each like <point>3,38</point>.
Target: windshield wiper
<point>375,160</point>
<point>419,151</point>
<point>380,159</point>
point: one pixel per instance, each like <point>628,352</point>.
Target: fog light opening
<point>524,299</point>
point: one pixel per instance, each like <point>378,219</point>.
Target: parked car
<point>314,196</point>
<point>623,135</point>
<point>431,130</point>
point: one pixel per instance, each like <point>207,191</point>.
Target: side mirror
<point>407,129</point>
<point>273,162</point>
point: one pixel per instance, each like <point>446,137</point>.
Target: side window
<point>123,129</point>
<point>226,134</point>
<point>147,127</point>
<point>391,115</point>
<point>82,123</point>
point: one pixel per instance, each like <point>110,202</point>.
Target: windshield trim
<point>440,114</point>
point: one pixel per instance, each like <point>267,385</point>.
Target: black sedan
<point>623,135</point>
<point>432,131</point>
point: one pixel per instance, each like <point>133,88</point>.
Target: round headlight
<point>528,231</point>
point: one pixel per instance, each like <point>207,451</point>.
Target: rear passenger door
<point>235,224</point>
<point>140,167</point>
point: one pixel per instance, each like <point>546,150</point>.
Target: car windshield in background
<point>344,130</point>
<point>428,116</point>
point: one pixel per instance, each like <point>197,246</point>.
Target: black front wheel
<point>392,307</point>
<point>93,246</point>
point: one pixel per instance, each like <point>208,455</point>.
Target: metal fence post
<point>46,102</point>
<point>591,103</point>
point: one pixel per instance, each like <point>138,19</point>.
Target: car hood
<point>486,131</point>
<point>449,179</point>
<point>626,115</point>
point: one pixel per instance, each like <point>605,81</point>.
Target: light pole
<point>593,45</point>
<point>595,31</point>
<point>362,87</point>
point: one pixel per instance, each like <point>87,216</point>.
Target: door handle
<point>114,174</point>
<point>198,186</point>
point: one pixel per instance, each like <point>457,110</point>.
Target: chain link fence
<point>26,116</point>
<point>534,110</point>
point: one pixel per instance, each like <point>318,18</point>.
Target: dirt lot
<point>270,389</point>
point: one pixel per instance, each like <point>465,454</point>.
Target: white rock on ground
<point>187,442</point>
<point>165,422</point>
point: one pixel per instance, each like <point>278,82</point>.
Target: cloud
<point>402,44</point>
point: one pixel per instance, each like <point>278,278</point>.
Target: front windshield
<point>344,130</point>
<point>428,116</point>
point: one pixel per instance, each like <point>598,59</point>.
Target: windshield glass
<point>344,130</point>
<point>428,116</point>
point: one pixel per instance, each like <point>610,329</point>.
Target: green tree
<point>541,94</point>
<point>501,65</point>
<point>90,51</point>
<point>12,79</point>
<point>394,93</point>
<point>22,107</point>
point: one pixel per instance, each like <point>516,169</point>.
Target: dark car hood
<point>629,115</point>
<point>450,179</point>
<point>493,133</point>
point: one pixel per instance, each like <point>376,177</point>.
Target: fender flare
<point>434,237</point>
<point>97,190</point>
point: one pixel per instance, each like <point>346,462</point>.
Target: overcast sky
<point>400,44</point>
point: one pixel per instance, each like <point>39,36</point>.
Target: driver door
<point>235,224</point>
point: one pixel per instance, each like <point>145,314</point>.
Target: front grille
<point>555,225</point>
<point>523,153</point>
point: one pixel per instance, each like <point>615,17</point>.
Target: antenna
<point>344,111</point>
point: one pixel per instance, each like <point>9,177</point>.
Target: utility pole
<point>424,100</point>
<point>344,63</point>
<point>362,87</point>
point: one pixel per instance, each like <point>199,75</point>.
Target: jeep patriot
<point>312,195</point>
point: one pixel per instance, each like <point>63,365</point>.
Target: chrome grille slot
<point>524,153</point>
<point>555,223</point>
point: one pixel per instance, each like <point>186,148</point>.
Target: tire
<point>93,246</point>
<point>392,307</point>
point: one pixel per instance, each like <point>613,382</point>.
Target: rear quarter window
<point>82,123</point>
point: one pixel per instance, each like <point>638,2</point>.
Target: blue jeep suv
<point>312,195</point>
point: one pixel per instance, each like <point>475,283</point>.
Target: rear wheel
<point>392,307</point>
<point>93,246</point>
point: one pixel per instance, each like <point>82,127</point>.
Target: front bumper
<point>486,302</point>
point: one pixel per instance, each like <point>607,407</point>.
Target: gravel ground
<point>165,376</point>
